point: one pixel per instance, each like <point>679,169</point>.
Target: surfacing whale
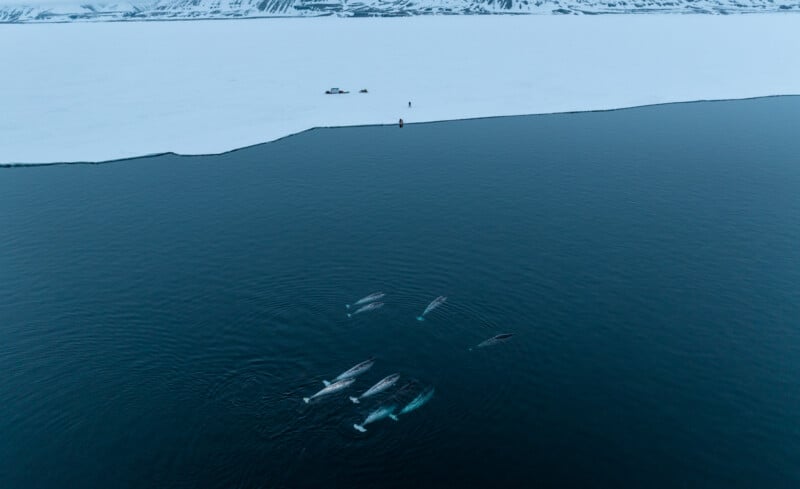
<point>381,386</point>
<point>330,389</point>
<point>501,338</point>
<point>376,415</point>
<point>354,371</point>
<point>417,403</point>
<point>369,307</point>
<point>364,300</point>
<point>433,305</point>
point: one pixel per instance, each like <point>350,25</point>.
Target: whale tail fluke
<point>326,383</point>
<point>354,399</point>
<point>360,428</point>
<point>394,417</point>
<point>420,318</point>
<point>306,399</point>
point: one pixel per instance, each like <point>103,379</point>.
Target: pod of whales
<point>391,408</point>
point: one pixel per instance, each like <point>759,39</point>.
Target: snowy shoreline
<point>106,91</point>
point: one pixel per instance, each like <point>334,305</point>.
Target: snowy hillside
<point>99,10</point>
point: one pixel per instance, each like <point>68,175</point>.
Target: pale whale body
<point>433,305</point>
<point>376,415</point>
<point>381,386</point>
<point>335,387</point>
<point>369,307</point>
<point>501,338</point>
<point>364,300</point>
<point>417,403</point>
<point>354,371</point>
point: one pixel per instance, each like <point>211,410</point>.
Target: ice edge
<point>440,121</point>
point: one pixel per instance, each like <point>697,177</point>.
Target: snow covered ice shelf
<point>99,91</point>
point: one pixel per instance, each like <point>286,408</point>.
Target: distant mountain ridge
<point>90,10</point>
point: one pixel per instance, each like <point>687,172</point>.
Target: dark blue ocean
<point>162,318</point>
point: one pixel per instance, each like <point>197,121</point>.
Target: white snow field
<point>100,91</point>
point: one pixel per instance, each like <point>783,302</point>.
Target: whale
<point>376,415</point>
<point>369,307</point>
<point>381,386</point>
<point>416,403</point>
<point>353,371</point>
<point>364,300</point>
<point>433,305</point>
<point>503,337</point>
<point>330,389</point>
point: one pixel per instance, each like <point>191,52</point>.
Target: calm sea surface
<point>162,318</point>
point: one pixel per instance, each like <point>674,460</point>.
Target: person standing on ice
<point>409,105</point>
